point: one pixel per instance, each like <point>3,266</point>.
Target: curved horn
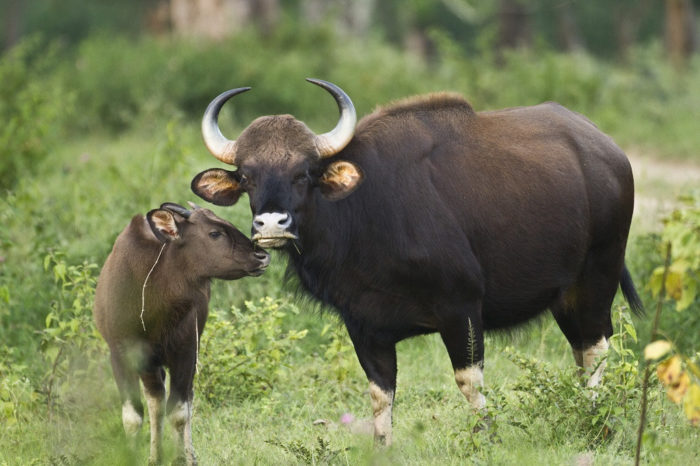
<point>177,208</point>
<point>335,140</point>
<point>220,147</point>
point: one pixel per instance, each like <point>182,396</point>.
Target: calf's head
<point>205,245</point>
<point>280,162</point>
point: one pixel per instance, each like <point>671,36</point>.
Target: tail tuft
<point>630,293</point>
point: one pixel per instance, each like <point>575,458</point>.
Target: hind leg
<point>128,384</point>
<point>586,349</point>
<point>583,313</point>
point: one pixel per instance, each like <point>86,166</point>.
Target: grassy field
<point>270,369</point>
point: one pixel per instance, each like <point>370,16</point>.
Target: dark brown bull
<point>459,222</point>
<point>151,305</point>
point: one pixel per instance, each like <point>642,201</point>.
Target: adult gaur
<point>427,217</point>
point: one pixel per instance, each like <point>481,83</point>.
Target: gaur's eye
<point>301,179</point>
<point>215,234</point>
<point>243,180</point>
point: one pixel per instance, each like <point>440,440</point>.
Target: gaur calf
<point>151,305</point>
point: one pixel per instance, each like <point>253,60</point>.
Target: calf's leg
<point>128,384</point>
<point>154,389</point>
<point>182,362</point>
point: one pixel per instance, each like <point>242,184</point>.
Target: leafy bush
<point>17,395</point>
<point>243,352</point>
<point>682,232</point>
<point>593,414</point>
<point>33,104</point>
<point>321,454</point>
<point>70,342</point>
<point>338,353</point>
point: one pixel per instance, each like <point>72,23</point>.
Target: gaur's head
<point>207,245</point>
<point>280,162</point>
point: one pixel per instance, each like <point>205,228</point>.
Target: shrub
<point>243,352</point>
<point>70,342</point>
<point>17,395</point>
<point>593,414</point>
<point>33,104</point>
<point>682,232</point>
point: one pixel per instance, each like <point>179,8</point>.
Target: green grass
<point>431,418</point>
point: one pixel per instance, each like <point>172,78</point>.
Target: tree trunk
<point>13,23</point>
<point>681,39</point>
<point>213,19</point>
<point>158,18</point>
<point>265,13</point>
<point>513,25</point>
<point>351,17</point>
<point>567,28</point>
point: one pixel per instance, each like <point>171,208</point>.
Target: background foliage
<point>100,122</point>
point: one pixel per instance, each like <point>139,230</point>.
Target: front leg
<point>182,360</point>
<point>153,378</point>
<point>378,359</point>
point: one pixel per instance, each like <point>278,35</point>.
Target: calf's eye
<point>215,234</point>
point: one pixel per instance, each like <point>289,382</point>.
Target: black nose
<point>263,257</point>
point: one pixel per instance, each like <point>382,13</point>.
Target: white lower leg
<point>469,380</point>
<point>181,419</point>
<point>382,404</point>
<point>593,355</point>
<point>131,420</point>
<point>156,413</point>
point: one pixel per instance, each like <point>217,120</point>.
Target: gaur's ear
<point>163,224</point>
<point>217,186</point>
<point>339,180</point>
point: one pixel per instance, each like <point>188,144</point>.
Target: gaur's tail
<point>630,293</point>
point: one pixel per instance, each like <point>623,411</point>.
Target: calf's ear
<point>217,186</point>
<point>339,180</point>
<point>163,224</point>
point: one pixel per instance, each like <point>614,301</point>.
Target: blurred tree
<point>216,19</point>
<point>13,19</point>
<point>629,15</point>
<point>70,21</point>
<point>514,24</point>
<point>681,39</point>
<point>349,16</point>
<point>213,19</point>
<point>568,32</point>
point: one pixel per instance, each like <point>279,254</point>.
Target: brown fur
<point>176,297</point>
<point>457,222</point>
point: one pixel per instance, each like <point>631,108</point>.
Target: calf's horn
<point>335,140</point>
<point>222,148</point>
<point>177,208</point>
